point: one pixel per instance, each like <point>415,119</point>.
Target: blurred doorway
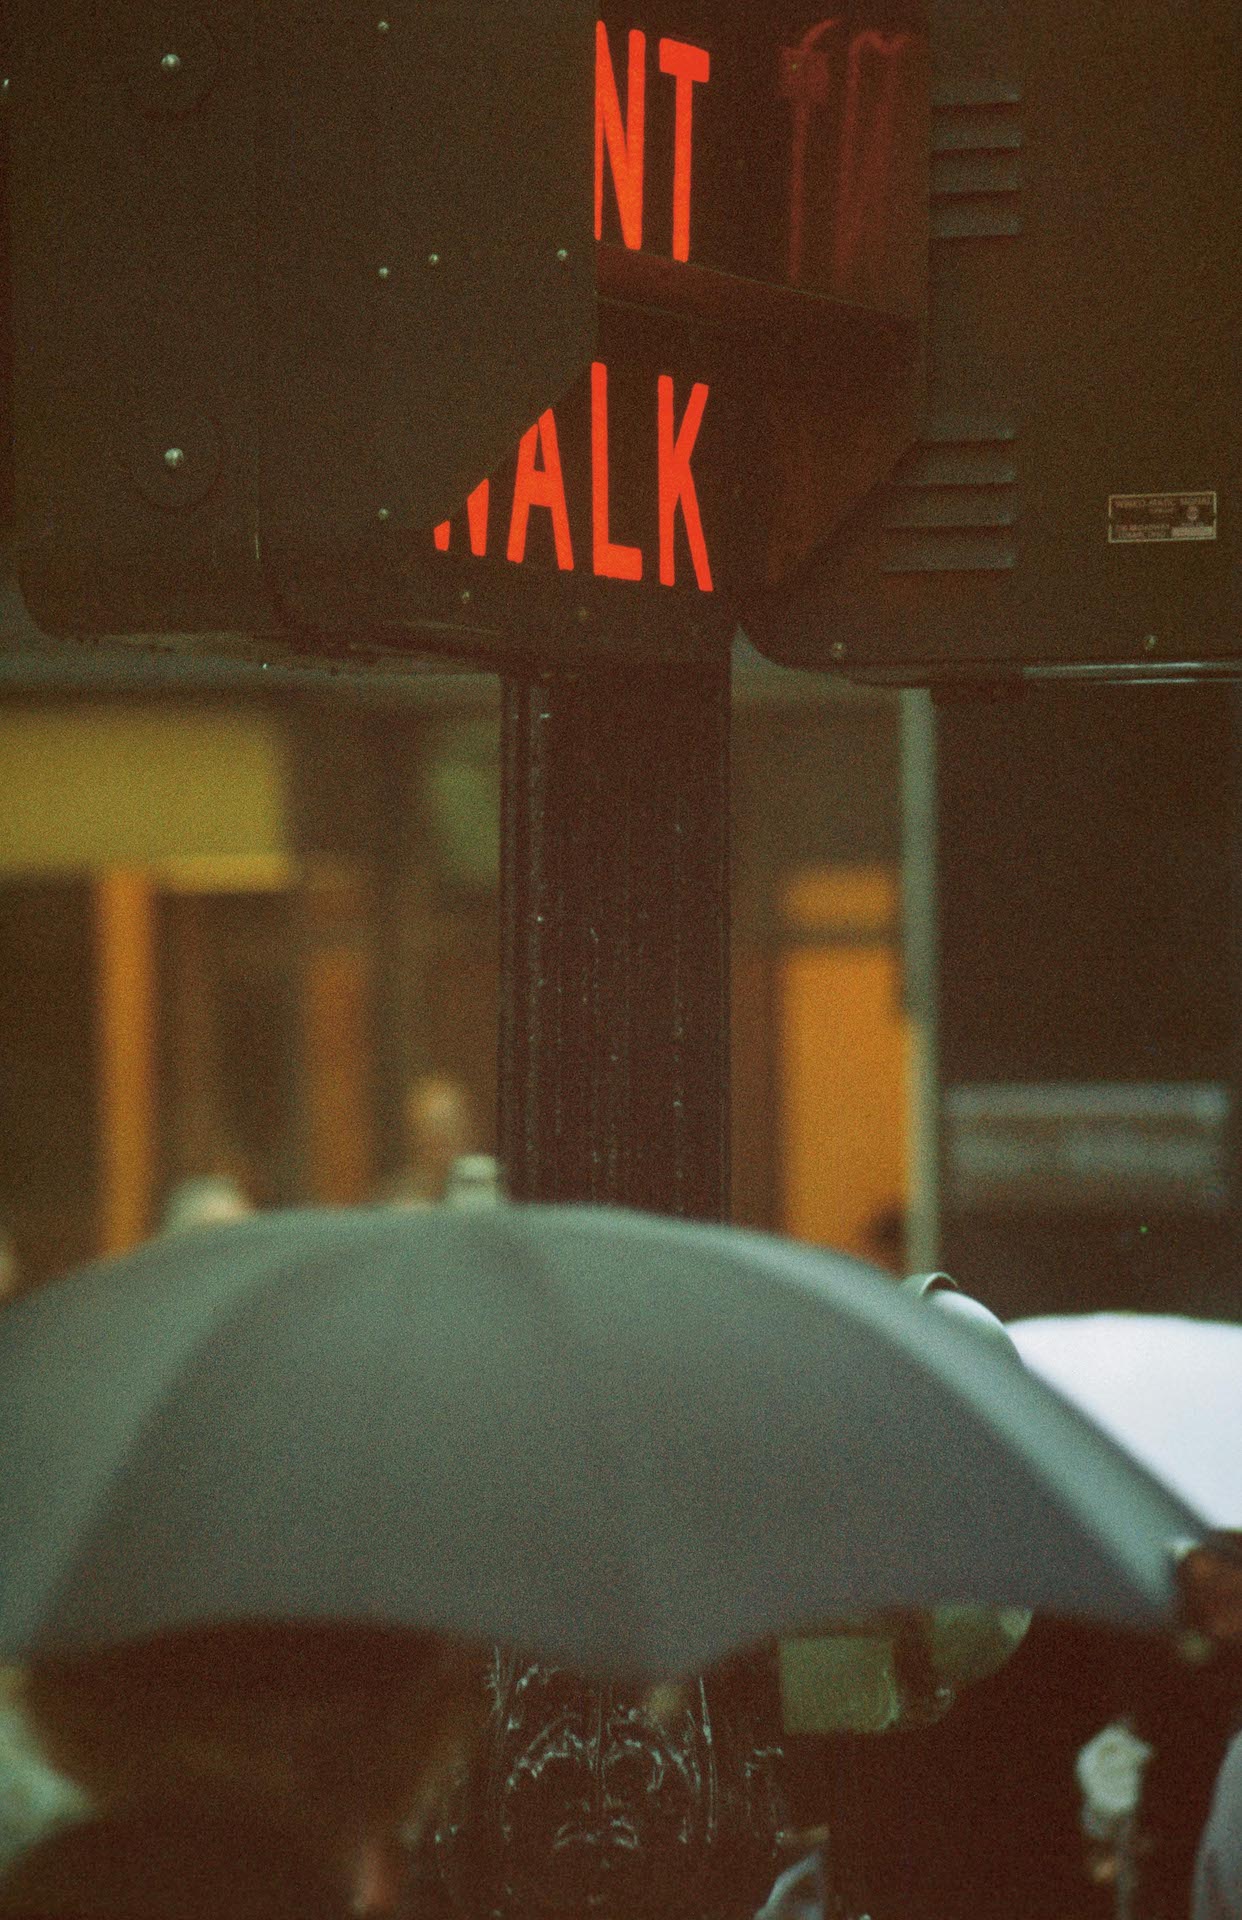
<point>209,1016</point>
<point>845,1062</point>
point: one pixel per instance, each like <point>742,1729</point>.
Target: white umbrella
<point>1169,1388</point>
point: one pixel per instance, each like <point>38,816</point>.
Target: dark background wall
<point>1087,845</point>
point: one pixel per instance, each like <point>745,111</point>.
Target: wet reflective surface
<point>589,1802</point>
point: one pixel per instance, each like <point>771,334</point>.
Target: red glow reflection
<point>849,99</point>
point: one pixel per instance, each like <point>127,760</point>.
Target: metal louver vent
<point>951,504</point>
<point>975,179</point>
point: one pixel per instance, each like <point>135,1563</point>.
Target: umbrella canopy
<point>1167,1387</point>
<point>625,1443</point>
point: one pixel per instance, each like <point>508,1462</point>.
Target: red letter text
<point>676,481</point>
<point>540,487</point>
<point>623,141</point>
<point>476,521</point>
<point>688,64</point>
<point>609,560</point>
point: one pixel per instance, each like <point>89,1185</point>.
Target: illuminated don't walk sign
<point>759,201</point>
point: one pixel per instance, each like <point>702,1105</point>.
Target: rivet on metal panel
<point>381,26</point>
<point>384,515</point>
<point>837,649</point>
<point>173,458</point>
<point>433,259</point>
<point>562,254</point>
<point>1150,642</point>
<point>382,273</point>
<point>466,596</point>
<point>172,62</point>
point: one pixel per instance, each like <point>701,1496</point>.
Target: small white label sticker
<point>1161,516</point>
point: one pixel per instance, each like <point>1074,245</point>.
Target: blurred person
<point>1110,1770</point>
<point>205,1200</point>
<point>10,1271</point>
<point>474,1181</point>
<point>440,1130</point>
<point>884,1238</point>
<point>257,1770</point>
<point>34,1800</point>
<point>1218,1863</point>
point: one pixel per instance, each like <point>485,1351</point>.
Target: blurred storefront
<point>233,930</point>
<point>831,1022</point>
<point>239,923</point>
<point>983,963</point>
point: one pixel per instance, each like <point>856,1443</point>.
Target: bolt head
<point>433,259</point>
<point>171,62</point>
<point>174,457</point>
<point>384,515</point>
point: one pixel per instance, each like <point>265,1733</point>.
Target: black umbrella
<point>622,1442</point>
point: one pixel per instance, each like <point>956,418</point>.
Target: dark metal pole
<point>614,1088</point>
<point>615,925</point>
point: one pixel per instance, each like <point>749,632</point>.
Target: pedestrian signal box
<point>286,277</point>
<point>579,356</point>
<point>1070,505</point>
